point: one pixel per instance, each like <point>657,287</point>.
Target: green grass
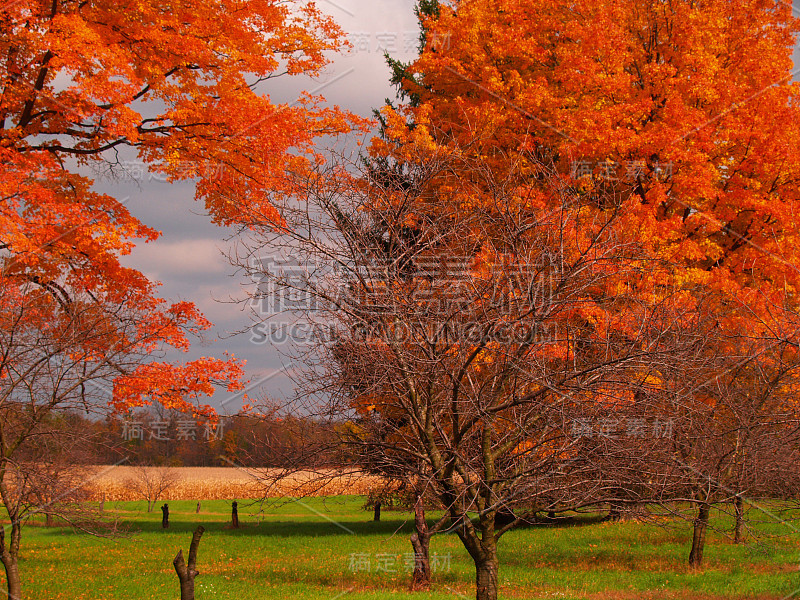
<point>303,550</point>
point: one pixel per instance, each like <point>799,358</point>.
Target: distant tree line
<point>177,439</point>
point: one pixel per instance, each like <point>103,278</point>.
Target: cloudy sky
<point>189,259</point>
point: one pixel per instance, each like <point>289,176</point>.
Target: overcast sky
<point>189,259</point>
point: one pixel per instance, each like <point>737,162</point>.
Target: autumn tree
<point>649,149</point>
<point>684,113</point>
<point>663,136</point>
<point>181,88</point>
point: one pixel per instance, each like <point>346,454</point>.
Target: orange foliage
<point>685,111</point>
<point>689,121</point>
<point>175,83</point>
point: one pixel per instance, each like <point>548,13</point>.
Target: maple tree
<point>677,116</point>
<point>179,85</point>
<point>635,91</point>
<point>681,116</point>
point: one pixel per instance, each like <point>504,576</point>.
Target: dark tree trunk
<point>486,578</point>
<point>480,540</point>
<point>165,516</point>
<point>738,531</point>
<point>699,536</point>
<point>421,542</point>
<point>614,513</point>
<point>198,508</point>
<point>9,556</point>
<point>377,515</point>
<point>187,572</point>
<point>235,515</point>
<point>48,520</point>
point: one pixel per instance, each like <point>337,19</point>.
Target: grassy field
<point>328,548</point>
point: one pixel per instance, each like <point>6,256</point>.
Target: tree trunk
<point>8,556</point>
<point>165,516</point>
<point>48,520</point>
<point>377,515</point>
<point>12,575</point>
<point>614,513</point>
<point>486,578</point>
<point>699,536</point>
<point>235,515</point>
<point>420,542</point>
<point>187,572</point>
<point>198,508</point>
<point>738,531</point>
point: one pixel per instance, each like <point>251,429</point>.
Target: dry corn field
<point>225,483</point>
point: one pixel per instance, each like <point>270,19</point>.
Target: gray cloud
<point>187,258</point>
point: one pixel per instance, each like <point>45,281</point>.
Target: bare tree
<point>151,483</point>
<point>45,373</point>
<point>464,345</point>
<point>50,475</point>
<point>728,428</point>
<point>739,438</point>
<point>42,475</point>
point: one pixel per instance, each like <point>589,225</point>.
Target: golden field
<point>112,483</point>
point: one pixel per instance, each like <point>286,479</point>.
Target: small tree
<point>151,483</point>
<point>728,422</point>
<point>42,476</point>
<point>738,437</point>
